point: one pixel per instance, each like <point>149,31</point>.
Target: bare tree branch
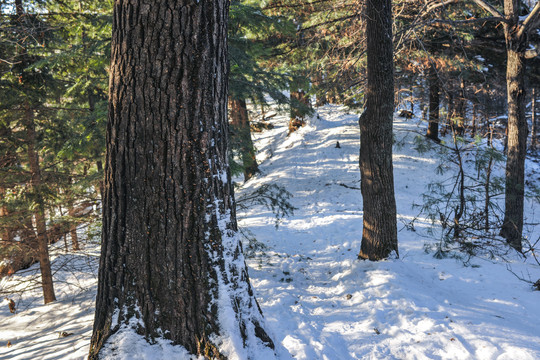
<point>468,21</point>
<point>531,22</point>
<point>438,4</point>
<point>489,8</point>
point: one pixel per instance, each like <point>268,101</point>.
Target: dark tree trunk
<point>517,147</point>
<point>423,106</point>
<point>461,109</point>
<point>474,120</point>
<point>411,95</point>
<point>379,236</point>
<point>170,253</point>
<point>99,166</point>
<point>516,45</point>
<point>39,212</point>
<point>240,124</point>
<point>433,126</point>
<point>534,121</point>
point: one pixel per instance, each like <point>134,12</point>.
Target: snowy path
<point>320,302</point>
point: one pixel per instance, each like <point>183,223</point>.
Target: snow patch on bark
<point>236,307</point>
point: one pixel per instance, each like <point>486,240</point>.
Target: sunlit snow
<point>319,301</point>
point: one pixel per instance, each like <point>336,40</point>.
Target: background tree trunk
<point>300,106</point>
<point>434,100</point>
<point>73,227</point>
<point>379,235</point>
<point>170,253</point>
<point>240,124</point>
<point>6,234</point>
<point>517,128</point>
<point>534,121</point>
<point>39,213</point>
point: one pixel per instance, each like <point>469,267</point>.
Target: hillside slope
<point>320,302</point>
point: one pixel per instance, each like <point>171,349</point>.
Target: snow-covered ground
<point>319,301</point>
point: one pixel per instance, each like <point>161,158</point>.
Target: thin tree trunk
<point>461,108</point>
<point>240,124</point>
<point>433,126</point>
<point>6,234</point>
<point>411,95</point>
<point>379,235</point>
<point>487,187</point>
<point>534,120</point>
<point>474,120</point>
<point>39,213</point>
<point>170,251</point>
<point>423,106</point>
<point>459,210</point>
<point>6,161</point>
<point>73,227</point>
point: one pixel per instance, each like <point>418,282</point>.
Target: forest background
<point>450,62</point>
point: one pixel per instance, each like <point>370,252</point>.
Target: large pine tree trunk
<point>170,251</point>
<point>379,236</point>
<point>240,124</point>
<point>517,146</point>
<point>433,126</point>
<point>39,212</point>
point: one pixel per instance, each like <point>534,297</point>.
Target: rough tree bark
<point>379,236</point>
<point>170,252</point>
<point>240,125</point>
